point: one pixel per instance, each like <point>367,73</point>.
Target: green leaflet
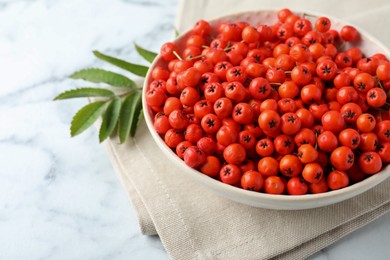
<point>129,115</point>
<point>136,69</point>
<point>86,116</point>
<point>147,55</point>
<point>139,120</point>
<point>84,92</point>
<point>99,75</point>
<point>110,119</point>
<point>138,116</point>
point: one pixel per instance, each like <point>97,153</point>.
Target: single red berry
<point>342,158</point>
<point>376,97</point>
<point>327,70</point>
<point>194,157</point>
<point>382,130</point>
<point>370,162</point>
<point>290,123</point>
<point>259,88</point>
<point>274,185</point>
<point>269,120</point>
<point>178,119</point>
<point>383,149</point>
<point>284,144</point>
<point>211,167</point>
<point>250,34</point>
<point>182,147</point>
<point>189,96</point>
<point>337,180</point>
<point>322,24</point>
<point>202,28</point>
<point>383,71</point>
<point>223,107</point>
<point>230,174</point>
<point>349,137</point>
<point>235,91</point>
<point>234,153</point>
<point>173,137</point>
<point>193,133</point>
<point>290,165</point>
<point>297,186</point>
<point>312,173</point>
<point>333,121</point>
<point>210,123</point>
<point>155,97</point>
<point>167,51</point>
<point>349,33</point>
<point>207,145</point>
<point>301,75</point>
<point>161,124</point>
<point>242,113</point>
<point>252,180</point>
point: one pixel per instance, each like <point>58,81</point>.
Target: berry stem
<point>341,46</point>
<point>380,109</point>
<point>177,55</point>
<point>309,15</point>
<point>379,82</point>
<point>196,57</point>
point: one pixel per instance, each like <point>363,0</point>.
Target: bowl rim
<point>221,187</point>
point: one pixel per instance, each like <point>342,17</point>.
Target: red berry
<point>194,157</point>
<point>349,33</point>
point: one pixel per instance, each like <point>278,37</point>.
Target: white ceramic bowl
<point>368,45</point>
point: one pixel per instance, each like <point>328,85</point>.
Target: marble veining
<point>59,197</point>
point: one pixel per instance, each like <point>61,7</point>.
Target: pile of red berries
<point>281,109</point>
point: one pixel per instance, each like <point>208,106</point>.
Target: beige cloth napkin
<point>195,223</point>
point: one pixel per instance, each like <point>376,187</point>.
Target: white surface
<point>59,197</point>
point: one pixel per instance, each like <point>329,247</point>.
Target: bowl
<point>368,44</point>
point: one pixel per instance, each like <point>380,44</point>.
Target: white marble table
<point>59,197</point>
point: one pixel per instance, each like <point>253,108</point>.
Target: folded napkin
<point>195,223</point>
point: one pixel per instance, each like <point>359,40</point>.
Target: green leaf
<point>99,75</point>
<point>136,69</point>
<point>84,92</point>
<point>147,55</point>
<point>86,116</point>
<point>129,114</point>
<point>176,33</point>
<point>110,119</point>
<point>138,115</point>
